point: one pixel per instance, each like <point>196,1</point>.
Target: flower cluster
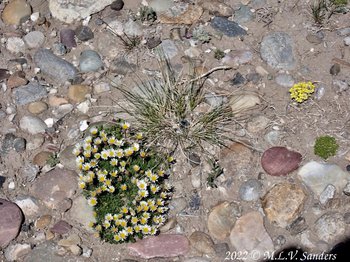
<point>302,91</point>
<point>124,182</point>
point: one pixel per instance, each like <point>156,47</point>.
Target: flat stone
<point>77,93</point>
<point>327,194</point>
<point>181,14</point>
<point>250,190</point>
<point>17,79</point>
<point>202,242</point>
<point>19,144</point>
<point>82,213</point>
<point>54,67</point>
<point>277,51</point>
<point>258,124</point>
<point>10,221</point>
<point>57,101</point>
<point>43,222</point>
<point>177,205</point>
<point>318,175</point>
<point>37,107</point>
<point>228,28</point>
<point>101,88</point>
<point>61,227</point>
<point>33,125</point>
<point>169,224</point>
<point>17,251</point>
<point>330,227</point>
<point>67,38</point>
<point>279,161</point>
<point>34,39</point>
<point>221,219</point>
<point>28,205</point>
<point>76,9</point>
<point>90,61</point>
<point>67,158</point>
<point>284,80</point>
<point>346,189</point>
<point>314,39</point>
<point>160,6</point>
<point>29,172</point>
<point>15,45</point>
<point>29,93</point>
<point>168,245</point>
<point>243,15</point>
<point>283,203</point>
<point>54,186</point>
<point>16,12</point>
<point>84,33</point>
<point>237,58</point>
<point>46,251</point>
<point>241,103</point>
<point>249,236</point>
<point>40,159</point>
<point>346,41</point>
<point>169,48</point>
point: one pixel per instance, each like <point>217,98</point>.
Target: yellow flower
<point>97,141</point>
<point>108,182</point>
<point>101,178</point>
<point>143,193</point>
<point>98,228</point>
<point>116,237</point>
<point>82,185</point>
<point>97,155</point>
<point>143,154</point>
<point>119,142</point>
<point>123,234</point>
<point>134,220</point>
<point>111,152</point>
<point>123,222</point>
<point>136,168</point>
<point>111,189</point>
<point>125,125</point>
<point>130,230</point>
<point>129,151</point>
<point>91,224</point>
<point>123,163</point>
<point>153,178</point>
<point>301,92</point>
<point>114,162</point>
<point>120,153</point>
<point>76,151</point>
<point>141,184</point>
<point>137,228</point>
<point>92,201</point>
<point>146,229</point>
<point>139,136</point>
<point>111,140</point>
<point>123,187</point>
<point>135,147</point>
<point>104,154</point>
<point>88,139</point>
<point>124,210</point>
<point>93,130</point>
<point>161,173</point>
<point>87,154</point>
<point>106,224</point>
<point>114,173</point>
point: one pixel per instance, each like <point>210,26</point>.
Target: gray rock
<point>10,222</point>
<point>202,242</point>
<point>82,213</point>
<point>7,143</point>
<point>177,205</point>
<point>29,172</point>
<point>347,217</point>
<point>285,80</point>
<point>67,159</point>
<point>45,252</point>
<point>213,100</point>
<point>16,252</point>
<point>327,194</point>
<point>19,144</point>
<point>344,31</point>
<point>169,48</point>
<point>277,51</point>
<point>161,5</point>
<point>54,67</point>
<point>67,38</point>
<point>59,49</point>
<point>122,67</point>
<point>243,15</point>
<point>2,114</point>
<point>330,227</point>
<point>133,28</point>
<point>227,27</point>
<point>320,91</point>
<point>346,41</point>
<point>117,5</point>
<point>34,39</point>
<point>90,61</point>
<point>29,93</point>
<point>32,125</point>
<point>28,206</point>
<point>84,33</point>
<point>340,85</point>
<point>346,189</point>
<point>250,190</point>
<point>318,175</point>
<point>15,45</point>
<point>314,39</point>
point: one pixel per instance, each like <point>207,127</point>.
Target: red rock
<point>160,246</point>
<point>61,227</point>
<point>279,161</point>
<point>10,221</point>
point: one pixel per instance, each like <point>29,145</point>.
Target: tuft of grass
<point>321,9</point>
<point>219,54</point>
<point>164,109</point>
<point>146,13</point>
<point>129,42</point>
<point>53,160</point>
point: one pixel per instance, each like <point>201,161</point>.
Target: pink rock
<point>160,246</point>
<point>279,161</point>
<point>10,221</point>
<point>61,227</point>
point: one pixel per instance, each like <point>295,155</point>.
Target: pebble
<point>347,217</point>
<point>19,144</point>
<point>314,39</point>
<point>15,45</point>
<point>32,125</point>
<point>167,245</point>
<point>283,203</point>
<point>46,251</point>
<point>2,181</point>
<point>40,159</point>
<point>67,38</point>
<point>101,87</point>
<point>213,100</point>
<point>177,205</point>
<point>250,190</point>
<point>243,102</point>
<point>243,15</point>
<point>238,79</point>
<point>37,107</point>
<point>62,110</point>
<point>327,194</point>
<point>61,227</point>
<point>221,220</point>
<point>318,175</point>
<point>237,58</point>
<point>84,33</point>
<point>253,77</point>
<point>28,205</point>
<point>228,28</point>
<point>285,80</point>
<point>77,93</point>
<point>82,213</point>
<point>320,91</point>
<point>279,161</point>
<point>346,41</point>
<point>346,189</point>
<point>248,227</point>
<point>54,186</point>
<point>340,85</point>
<point>17,79</point>
<point>43,222</point>
<point>84,107</point>
<point>217,8</point>
<point>181,14</point>
<point>57,101</point>
<point>169,48</point>
<point>29,93</point>
<point>10,220</point>
<point>76,10</point>
<point>202,242</point>
<point>277,51</point>
<point>17,251</point>
<point>258,124</point>
<point>59,49</point>
<point>35,142</point>
<point>117,5</point>
<point>344,31</point>
<point>335,69</point>
<point>160,6</point>
<point>50,63</point>
<point>34,39</point>
<point>16,12</point>
<point>67,159</point>
<point>330,227</point>
<point>280,240</point>
<point>122,67</point>
<point>29,172</point>
<point>90,61</point>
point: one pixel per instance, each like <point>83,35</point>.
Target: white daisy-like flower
<point>119,153</point>
<point>111,140</point>
<point>82,185</point>
<point>86,166</point>
<point>97,155</point>
<point>87,154</point>
<point>93,130</point>
<point>148,173</point>
<point>123,234</point>
<point>153,178</point>
<point>76,151</point>
<point>97,141</point>
<point>141,184</point>
<point>129,151</point>
<point>146,229</point>
<point>106,224</point>
<point>87,146</point>
<point>80,159</point>
<point>111,152</point>
<point>88,139</point>
<point>113,162</point>
<point>92,201</point>
<point>111,189</point>
<point>104,154</point>
<point>109,217</point>
<point>101,178</point>
<point>119,142</point>
<point>143,193</point>
<point>125,125</point>
<point>135,147</point>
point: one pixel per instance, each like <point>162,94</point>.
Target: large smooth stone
<point>249,236</point>
<point>16,12</point>
<point>160,246</point>
<point>279,161</point>
<point>82,213</point>
<point>10,221</point>
<point>33,125</point>
<point>284,203</point>
<point>318,175</point>
<point>56,68</point>
<point>277,51</point>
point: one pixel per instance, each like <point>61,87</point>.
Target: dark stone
<point>227,27</point>
<point>221,249</point>
<point>347,218</point>
<point>84,33</point>
<point>67,37</point>
<point>10,222</point>
<point>32,92</point>
<point>297,226</point>
<point>335,69</point>
<point>19,144</point>
<point>4,74</point>
<point>117,5</point>
<point>348,168</point>
<point>238,79</point>
<point>7,143</point>
<point>153,42</point>
<point>2,180</point>
<point>122,67</point>
<point>61,227</point>
<point>279,240</point>
<point>253,77</point>
<point>194,159</point>
<point>195,201</point>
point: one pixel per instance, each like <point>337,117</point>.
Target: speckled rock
<point>37,107</point>
<point>10,221</point>
<point>77,93</point>
<point>227,27</point>
<point>15,45</point>
<point>34,39</point>
<point>202,242</point>
<point>250,190</point>
<point>330,227</point>
<point>82,213</point>
<point>33,125</point>
<point>29,93</point>
<point>16,12</point>
<point>283,203</point>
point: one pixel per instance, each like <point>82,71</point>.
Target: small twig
<point>209,72</point>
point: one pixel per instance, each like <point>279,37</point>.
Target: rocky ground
<point>60,65</point>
